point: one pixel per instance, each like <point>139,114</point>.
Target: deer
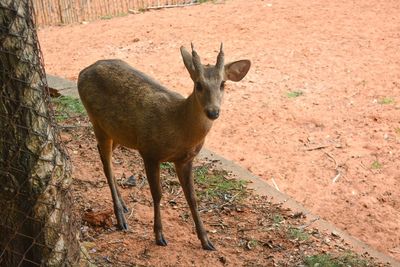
<point>128,108</point>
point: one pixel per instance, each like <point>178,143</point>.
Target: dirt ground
<point>320,103</point>
<point>247,230</point>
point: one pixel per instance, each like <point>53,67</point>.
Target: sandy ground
<point>247,229</point>
<point>342,55</point>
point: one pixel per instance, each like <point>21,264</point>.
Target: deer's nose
<point>212,113</point>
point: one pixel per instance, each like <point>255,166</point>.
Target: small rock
<point>107,258</point>
<point>222,259</point>
<point>132,11</point>
<point>335,234</point>
<point>65,137</point>
<point>239,209</point>
<point>98,218</point>
<point>131,181</point>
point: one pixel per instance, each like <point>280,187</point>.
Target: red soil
<point>342,55</point>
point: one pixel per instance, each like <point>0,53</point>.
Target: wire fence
<point>36,224</point>
<point>57,12</point>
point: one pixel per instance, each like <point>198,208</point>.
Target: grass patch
<point>386,101</point>
<point>66,107</point>
<point>214,185</point>
<point>251,244</point>
<point>167,166</point>
<point>107,17</point>
<point>376,165</point>
<point>327,260</point>
<point>298,234</point>
<point>277,219</point>
<point>294,94</point>
<point>397,130</point>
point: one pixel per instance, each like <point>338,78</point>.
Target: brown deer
<point>128,108</point>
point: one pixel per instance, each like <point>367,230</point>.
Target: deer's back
<point>126,104</point>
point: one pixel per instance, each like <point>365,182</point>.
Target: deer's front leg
<point>184,171</point>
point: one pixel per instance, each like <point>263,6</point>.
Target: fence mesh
<point>36,227</point>
<point>51,12</point>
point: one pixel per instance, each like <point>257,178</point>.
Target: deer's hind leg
<point>124,206</point>
<point>105,147</point>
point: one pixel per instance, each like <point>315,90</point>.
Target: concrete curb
<point>260,186</point>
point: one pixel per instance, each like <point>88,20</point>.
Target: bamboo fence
<point>59,12</point>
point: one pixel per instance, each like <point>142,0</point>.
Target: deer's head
<point>209,80</point>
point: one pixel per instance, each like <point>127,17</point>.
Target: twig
<point>276,186</point>
<point>130,215</point>
<point>233,197</point>
<point>356,93</point>
<point>222,225</point>
<point>334,160</point>
<point>170,6</point>
<point>142,183</point>
<point>317,147</point>
<point>248,229</point>
<point>338,174</point>
<point>336,177</point>
<point>304,226</point>
<point>394,251</point>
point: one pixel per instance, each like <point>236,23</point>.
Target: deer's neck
<point>195,123</point>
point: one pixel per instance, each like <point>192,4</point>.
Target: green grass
<point>214,185</point>
<point>106,17</point>
<point>277,219</point>
<point>386,101</point>
<point>294,94</point>
<point>299,234</point>
<point>397,130</point>
<point>166,166</point>
<point>376,165</point>
<point>251,244</point>
<point>327,260</point>
<point>66,107</point>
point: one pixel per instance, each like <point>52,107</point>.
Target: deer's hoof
<point>161,241</point>
<point>208,246</point>
<point>123,226</point>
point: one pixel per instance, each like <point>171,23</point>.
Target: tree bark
<point>36,223</point>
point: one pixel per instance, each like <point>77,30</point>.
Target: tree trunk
<point>36,223</point>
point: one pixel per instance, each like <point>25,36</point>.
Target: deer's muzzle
<point>212,113</point>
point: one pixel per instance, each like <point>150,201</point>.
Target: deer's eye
<point>222,86</point>
<point>199,87</point>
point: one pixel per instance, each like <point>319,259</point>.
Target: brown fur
<point>128,108</point>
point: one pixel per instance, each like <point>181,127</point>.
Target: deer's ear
<point>187,60</point>
<point>235,71</point>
